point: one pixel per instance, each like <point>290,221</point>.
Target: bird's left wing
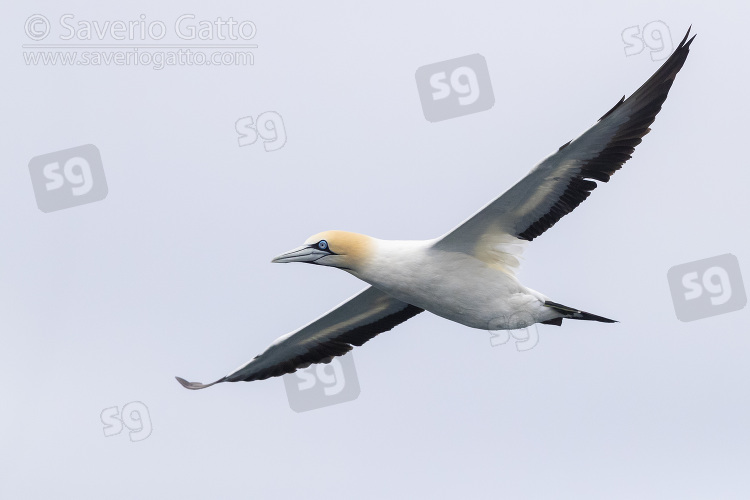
<point>352,323</point>
<point>560,182</point>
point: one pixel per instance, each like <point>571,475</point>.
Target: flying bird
<point>466,275</point>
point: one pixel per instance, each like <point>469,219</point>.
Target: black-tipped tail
<point>194,386</point>
<point>573,313</point>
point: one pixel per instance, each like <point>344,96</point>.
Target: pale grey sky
<point>104,303</point>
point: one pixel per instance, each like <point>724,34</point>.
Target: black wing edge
<point>320,353</point>
<point>647,102</point>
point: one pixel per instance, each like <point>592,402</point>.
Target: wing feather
<point>351,323</point>
<point>560,182</point>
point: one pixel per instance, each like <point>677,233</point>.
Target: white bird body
<point>453,285</point>
<point>468,274</point>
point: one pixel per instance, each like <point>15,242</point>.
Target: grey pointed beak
<point>301,254</point>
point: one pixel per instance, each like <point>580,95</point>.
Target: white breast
<point>453,285</point>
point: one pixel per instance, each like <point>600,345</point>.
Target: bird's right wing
<point>563,180</point>
<point>352,323</point>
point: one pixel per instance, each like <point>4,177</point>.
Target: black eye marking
<point>322,245</point>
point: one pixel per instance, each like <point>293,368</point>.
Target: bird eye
<point>323,244</point>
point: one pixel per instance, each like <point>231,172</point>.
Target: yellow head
<point>340,249</point>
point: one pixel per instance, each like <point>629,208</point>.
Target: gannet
<point>468,274</point>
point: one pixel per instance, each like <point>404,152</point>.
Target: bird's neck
<point>392,261</point>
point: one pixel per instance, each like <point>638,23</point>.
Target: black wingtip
<point>194,386</point>
<point>684,45</point>
<point>685,38</point>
